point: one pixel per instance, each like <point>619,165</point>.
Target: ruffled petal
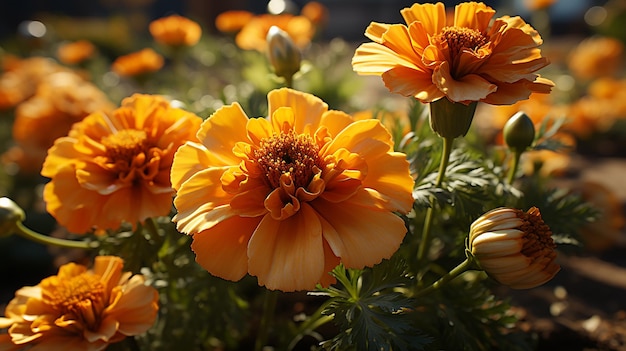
<point>432,16</point>
<point>222,250</point>
<point>307,108</point>
<point>473,15</point>
<point>357,242</point>
<point>222,130</point>
<point>411,82</point>
<point>288,255</point>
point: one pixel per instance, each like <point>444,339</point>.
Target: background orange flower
<point>80,309</point>
<point>288,198</point>
<point>175,30</point>
<point>115,168</point>
<point>471,59</point>
<point>136,63</point>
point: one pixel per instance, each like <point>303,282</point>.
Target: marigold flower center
<point>288,153</point>
<point>459,38</point>
<point>537,235</point>
<point>82,296</point>
<point>125,144</point>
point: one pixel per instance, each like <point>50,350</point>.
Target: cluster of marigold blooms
<point>284,198</point>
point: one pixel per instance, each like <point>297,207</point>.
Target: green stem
<point>516,157</point>
<point>456,271</point>
<point>443,164</point>
<point>307,327</point>
<point>48,240</point>
<point>269,307</point>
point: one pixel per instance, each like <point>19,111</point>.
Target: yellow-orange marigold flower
<point>115,168</point>
<point>137,63</point>
<point>175,30</point>
<point>287,198</point>
<point>80,309</point>
<point>471,59</point>
<point>514,247</point>
<point>61,99</point>
<point>232,21</point>
<point>253,35</point>
<point>75,52</point>
<point>596,57</point>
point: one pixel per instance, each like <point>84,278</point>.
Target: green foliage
<point>370,312</point>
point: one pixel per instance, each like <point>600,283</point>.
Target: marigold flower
<point>80,309</point>
<point>115,168</point>
<point>468,60</point>
<point>137,63</point>
<point>75,52</point>
<point>175,30</point>
<point>596,57</point>
<point>232,21</point>
<point>253,35</point>
<point>21,78</point>
<point>316,12</point>
<point>61,99</point>
<point>287,198</point>
<point>514,247</point>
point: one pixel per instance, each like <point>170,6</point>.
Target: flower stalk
<point>443,165</point>
<point>463,267</point>
<point>47,240</point>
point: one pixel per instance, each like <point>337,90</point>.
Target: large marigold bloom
<point>468,59</point>
<point>115,168</point>
<point>80,309</point>
<point>175,30</point>
<point>287,198</point>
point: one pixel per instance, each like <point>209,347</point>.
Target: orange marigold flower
<point>289,197</point>
<point>61,99</point>
<point>80,309</point>
<point>535,5</point>
<point>137,63</point>
<point>596,57</point>
<point>514,247</point>
<point>21,78</point>
<point>253,35</point>
<point>469,59</point>
<point>115,168</point>
<point>175,30</point>
<point>232,21</point>
<point>316,12</point>
<point>75,52</point>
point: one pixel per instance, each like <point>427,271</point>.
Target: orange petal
<point>222,250</point>
<point>411,82</point>
<point>376,59</point>
<point>357,242</point>
<point>283,120</point>
<point>335,121</point>
<point>307,108</point>
<point>222,130</point>
<point>288,255</point>
<point>432,16</point>
<point>473,15</point>
<point>376,30</point>
<point>365,138</point>
<point>470,88</point>
<point>388,187</point>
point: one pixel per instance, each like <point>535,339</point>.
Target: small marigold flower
<point>80,309</point>
<point>22,77</point>
<point>289,197</point>
<point>61,99</point>
<point>514,247</point>
<point>115,168</point>
<point>595,57</point>
<point>175,30</point>
<point>253,36</point>
<point>316,12</point>
<point>75,52</point>
<point>232,21</point>
<point>471,58</point>
<point>138,63</point>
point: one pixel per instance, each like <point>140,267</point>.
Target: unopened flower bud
<point>451,119</point>
<point>519,132</point>
<point>10,215</point>
<point>514,247</point>
<point>283,54</point>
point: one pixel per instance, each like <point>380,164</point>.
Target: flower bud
<point>10,214</point>
<point>519,132</point>
<point>283,54</point>
<point>451,119</point>
<point>514,247</point>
